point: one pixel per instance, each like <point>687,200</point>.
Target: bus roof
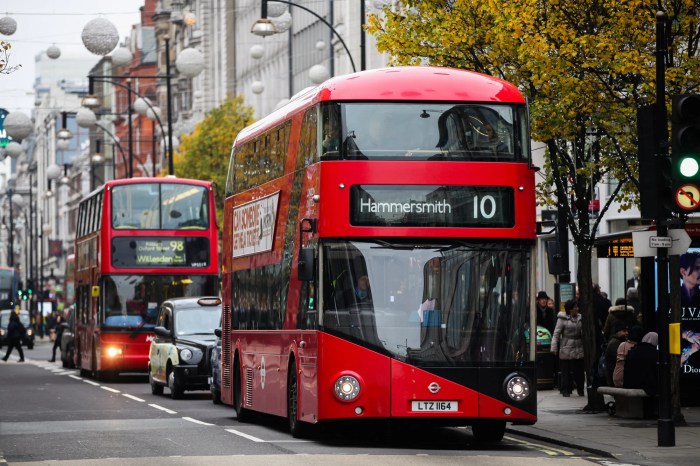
<point>142,180</point>
<point>401,83</point>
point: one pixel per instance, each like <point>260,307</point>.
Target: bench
<point>632,403</point>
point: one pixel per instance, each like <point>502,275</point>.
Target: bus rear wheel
<point>489,431</point>
<point>297,428</point>
<point>241,412</point>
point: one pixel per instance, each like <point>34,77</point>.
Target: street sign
<point>641,240</point>
<point>660,241</point>
<point>681,242</point>
<point>688,197</point>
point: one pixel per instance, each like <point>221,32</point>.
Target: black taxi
<point>180,353</point>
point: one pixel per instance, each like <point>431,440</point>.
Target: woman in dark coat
<point>641,369</point>
<point>15,333</point>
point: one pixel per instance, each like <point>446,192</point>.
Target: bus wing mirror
<point>162,332</point>
<point>217,332</point>
<point>306,264</point>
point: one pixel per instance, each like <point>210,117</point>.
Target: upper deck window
<point>160,206</point>
<point>425,131</point>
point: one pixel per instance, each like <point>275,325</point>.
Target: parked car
<point>68,338</point>
<point>180,354</point>
<point>215,362</point>
<point>26,320</point>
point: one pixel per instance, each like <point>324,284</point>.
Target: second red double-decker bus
<point>378,238</point>
<point>139,242</point>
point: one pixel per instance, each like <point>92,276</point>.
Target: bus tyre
<point>489,431</point>
<point>175,386</point>
<point>156,388</point>
<point>297,428</point>
<point>241,412</point>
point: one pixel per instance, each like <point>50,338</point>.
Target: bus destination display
<point>431,205</point>
<point>160,252</point>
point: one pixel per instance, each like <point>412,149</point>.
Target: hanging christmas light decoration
<point>100,36</point>
<point>53,52</point>
<point>8,26</point>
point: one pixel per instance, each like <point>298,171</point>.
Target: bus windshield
<point>427,131</point>
<point>132,301</point>
<point>430,304</point>
<point>160,206</point>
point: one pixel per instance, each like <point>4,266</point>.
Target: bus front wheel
<point>489,431</point>
<point>241,413</point>
<point>297,428</point>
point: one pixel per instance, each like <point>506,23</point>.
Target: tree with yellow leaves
<point>204,154</point>
<point>585,67</point>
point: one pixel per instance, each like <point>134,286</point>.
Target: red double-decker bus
<point>378,243</point>
<point>139,241</point>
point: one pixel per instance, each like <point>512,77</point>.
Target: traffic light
<point>685,151</point>
<point>656,197</point>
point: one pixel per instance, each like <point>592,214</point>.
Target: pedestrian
<point>641,365</point>
<point>567,341</point>
<point>636,334</point>
<point>60,327</point>
<point>636,303</point>
<point>545,314</point>
<point>619,335</point>
<point>619,312</point>
<point>601,306</point>
<point>15,334</point>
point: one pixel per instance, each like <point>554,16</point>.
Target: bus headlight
<point>346,388</point>
<point>185,354</point>
<point>517,387</point>
<point>113,351</point>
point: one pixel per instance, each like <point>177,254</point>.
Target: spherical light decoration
<point>190,62</point>
<point>17,200</point>
<point>13,149</point>
<point>198,95</point>
<point>189,19</point>
<point>97,158</point>
<point>46,227</point>
<point>321,45</point>
<point>8,26</point>
<point>53,52</point>
<point>141,105</point>
<point>318,74</point>
<point>283,22</point>
<point>153,113</point>
<point>275,9</point>
<point>53,171</point>
<point>63,144</point>
<point>121,56</point>
<point>18,125</point>
<point>257,87</point>
<point>85,118</point>
<point>257,51</point>
<point>100,36</point>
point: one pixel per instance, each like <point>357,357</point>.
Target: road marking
<point>249,437</point>
<point>91,382</point>
<point>196,421</point>
<point>169,411</point>
<point>546,449</point>
<point>133,397</point>
<point>75,377</point>
<point>109,389</point>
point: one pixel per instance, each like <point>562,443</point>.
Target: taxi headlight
<point>185,354</point>
<point>346,388</point>
<point>113,351</point>
<point>517,387</point>
<point>29,332</point>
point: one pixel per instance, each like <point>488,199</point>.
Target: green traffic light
<point>689,167</point>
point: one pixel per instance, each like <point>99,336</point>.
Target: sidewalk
<point>635,441</point>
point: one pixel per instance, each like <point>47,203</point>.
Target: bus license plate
<point>433,406</point>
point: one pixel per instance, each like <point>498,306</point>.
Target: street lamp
<point>189,63</point>
<point>264,27</point>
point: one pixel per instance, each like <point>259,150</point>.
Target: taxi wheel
<point>156,388</point>
<point>175,386</point>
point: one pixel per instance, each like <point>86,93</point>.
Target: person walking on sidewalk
<point>567,341</point>
<point>15,333</point>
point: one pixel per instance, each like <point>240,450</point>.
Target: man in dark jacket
<point>641,369</point>
<point>546,317</point>
<point>15,333</point>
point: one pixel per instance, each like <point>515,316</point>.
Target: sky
<point>41,23</point>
